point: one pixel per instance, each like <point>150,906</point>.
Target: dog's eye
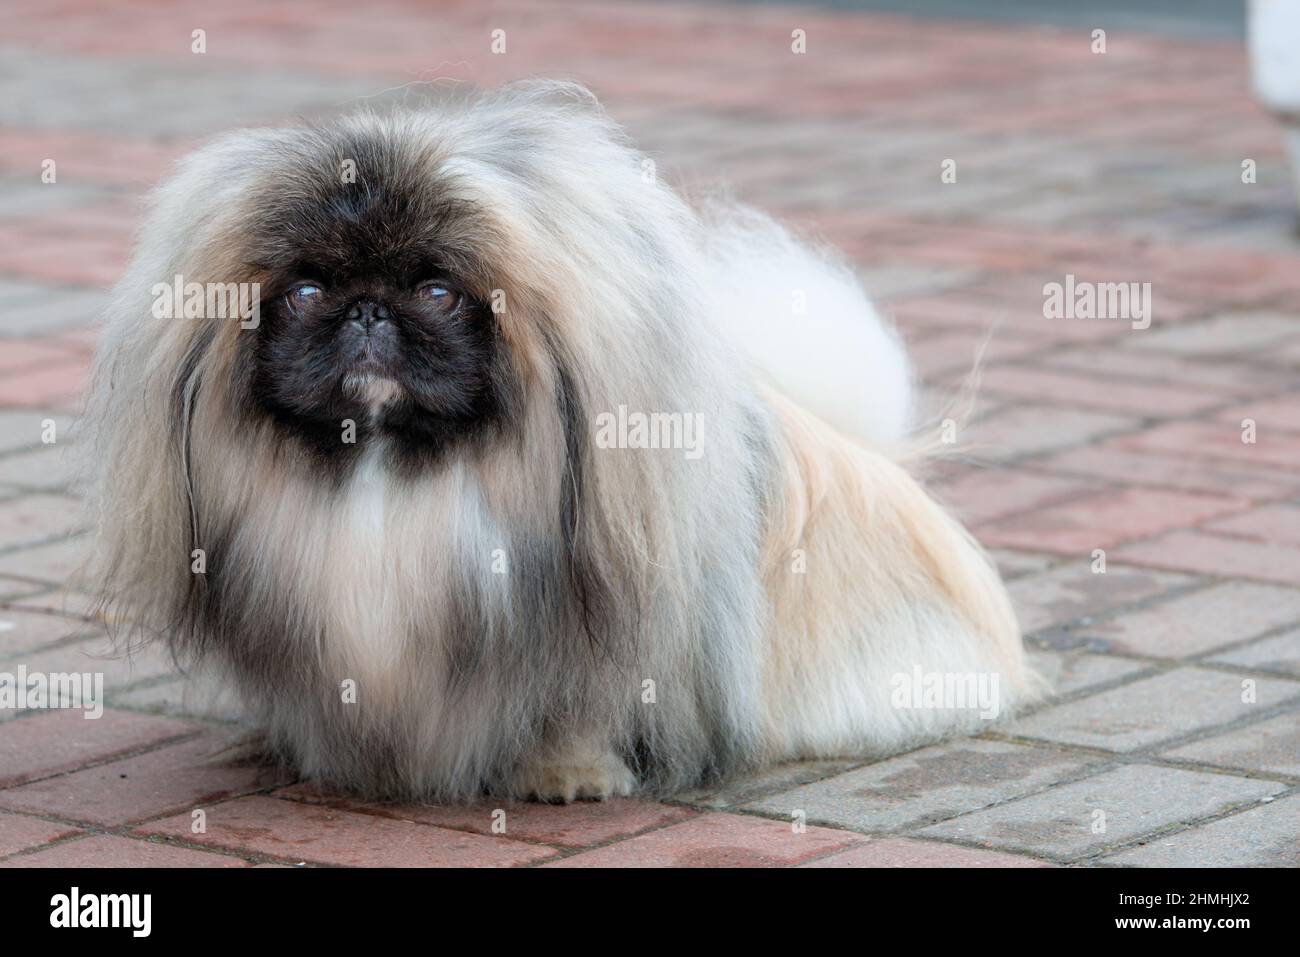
<point>303,295</point>
<point>444,298</point>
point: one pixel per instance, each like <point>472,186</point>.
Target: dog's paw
<point>590,778</point>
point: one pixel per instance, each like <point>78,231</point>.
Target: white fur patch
<point>375,391</point>
<point>806,322</point>
<point>364,632</point>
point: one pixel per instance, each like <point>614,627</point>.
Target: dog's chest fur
<point>393,558</point>
<point>362,582</point>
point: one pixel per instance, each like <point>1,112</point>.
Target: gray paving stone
<point>95,656</point>
<point>174,98</point>
<point>750,788</point>
<point>98,655</point>
<point>1110,808</point>
<point>1268,747</point>
<point>1025,430</point>
<point>22,631</point>
<point>48,310</point>
<point>1264,836</point>
<point>58,601</point>
<point>21,292</point>
<point>191,697</point>
<point>1072,671</point>
<point>1201,621</point>
<point>1015,564</point>
<point>23,428</point>
<point>1232,377</point>
<point>1072,592</point>
<point>28,196</point>
<point>899,281</point>
<point>1285,355</point>
<point>1226,334</point>
<point>46,469</point>
<point>16,590</point>
<point>962,200</point>
<point>1279,654</point>
<point>54,564</point>
<point>923,786</point>
<point>1054,208</point>
<point>37,519</point>
<point>1153,710</point>
<point>908,852</point>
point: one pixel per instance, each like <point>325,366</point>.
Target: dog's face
<point>375,307</point>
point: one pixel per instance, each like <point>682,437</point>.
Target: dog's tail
<point>800,314</point>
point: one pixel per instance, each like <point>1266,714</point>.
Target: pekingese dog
<point>522,477</point>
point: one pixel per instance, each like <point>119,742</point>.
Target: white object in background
<point>1275,67</point>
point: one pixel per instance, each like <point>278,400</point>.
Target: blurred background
<point>963,155</point>
<point>1220,19</point>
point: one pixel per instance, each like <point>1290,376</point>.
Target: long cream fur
<point>755,604</point>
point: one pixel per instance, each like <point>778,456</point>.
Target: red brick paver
<point>1175,448</point>
<point>108,850</point>
<point>54,742</point>
<point>294,831</point>
<point>1217,555</point>
<point>580,825</point>
<point>895,852</point>
<point>18,833</point>
<point>1106,519</point>
<point>719,840</point>
<point>164,781</point>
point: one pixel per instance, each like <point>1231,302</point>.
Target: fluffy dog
<point>419,510</point>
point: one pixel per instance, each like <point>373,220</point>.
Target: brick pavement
<point>1173,737</point>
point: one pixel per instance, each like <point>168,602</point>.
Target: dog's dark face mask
<point>375,322</point>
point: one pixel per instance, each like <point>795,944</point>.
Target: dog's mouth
<point>370,382</point>
<point>371,366</point>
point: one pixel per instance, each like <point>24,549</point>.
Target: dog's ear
<point>582,524</point>
<point>148,380</point>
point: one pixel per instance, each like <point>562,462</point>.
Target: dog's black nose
<point>367,313</point>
